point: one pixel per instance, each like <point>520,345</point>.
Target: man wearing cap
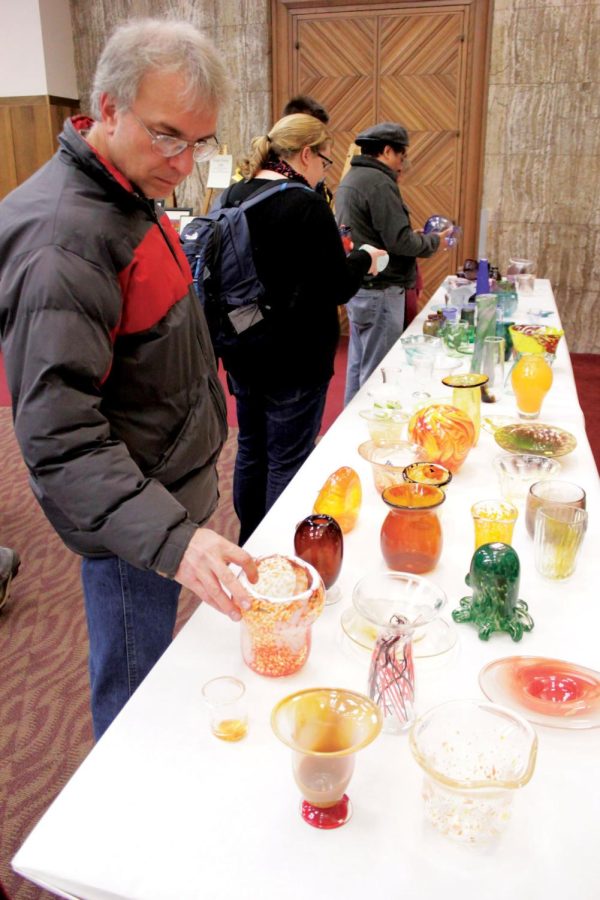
<point>369,201</point>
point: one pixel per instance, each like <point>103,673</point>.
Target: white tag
<point>219,171</point>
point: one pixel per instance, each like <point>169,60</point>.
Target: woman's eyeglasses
<point>326,161</point>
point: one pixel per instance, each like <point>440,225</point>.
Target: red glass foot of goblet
<point>327,817</point>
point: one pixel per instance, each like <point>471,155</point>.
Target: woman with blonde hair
<point>280,385</point>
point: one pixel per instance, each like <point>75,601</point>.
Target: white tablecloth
<point>161,810</point>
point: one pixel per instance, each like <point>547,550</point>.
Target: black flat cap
<point>386,132</point>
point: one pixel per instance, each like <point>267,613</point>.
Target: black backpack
<point>219,251</point>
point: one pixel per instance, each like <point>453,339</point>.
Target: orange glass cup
<point>411,535</point>
<point>531,380</point>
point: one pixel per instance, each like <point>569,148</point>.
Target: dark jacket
<point>300,260</point>
<point>369,201</point>
<point>117,406</point>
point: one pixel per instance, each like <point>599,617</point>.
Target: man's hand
<point>444,235</point>
<point>204,570</point>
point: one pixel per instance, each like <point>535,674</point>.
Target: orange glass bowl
<point>341,498</point>
<point>445,432</point>
<point>411,535</point>
<point>276,629</point>
<point>428,473</point>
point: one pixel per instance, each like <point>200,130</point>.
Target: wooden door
<point>422,64</point>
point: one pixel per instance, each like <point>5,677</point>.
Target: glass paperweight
<point>341,498</point>
<point>495,605</point>
<point>318,540</point>
<point>445,433</point>
<point>474,755</point>
<point>546,691</point>
<point>276,630</point>
<point>325,727</point>
<point>395,604</point>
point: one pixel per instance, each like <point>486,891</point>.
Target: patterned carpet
<point>45,725</point>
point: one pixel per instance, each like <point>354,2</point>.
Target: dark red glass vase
<point>319,541</point>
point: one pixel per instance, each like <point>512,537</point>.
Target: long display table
<point>161,810</point>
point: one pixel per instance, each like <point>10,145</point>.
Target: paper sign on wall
<point>219,171</point>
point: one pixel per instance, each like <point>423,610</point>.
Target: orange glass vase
<point>411,535</point>
<point>531,380</point>
<point>341,498</point>
<point>445,432</point>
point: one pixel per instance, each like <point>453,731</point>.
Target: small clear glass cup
<point>551,492</point>
<point>225,698</point>
<point>525,283</point>
<point>559,533</point>
<point>517,472</point>
<point>493,520</point>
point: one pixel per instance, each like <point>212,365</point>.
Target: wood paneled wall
<point>29,127</point>
<point>542,163</point>
<point>541,166</point>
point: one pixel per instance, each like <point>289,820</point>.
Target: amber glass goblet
<point>319,541</point>
<point>325,727</point>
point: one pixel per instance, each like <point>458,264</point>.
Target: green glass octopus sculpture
<point>494,606</point>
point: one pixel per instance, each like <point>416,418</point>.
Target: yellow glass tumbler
<point>494,520</point>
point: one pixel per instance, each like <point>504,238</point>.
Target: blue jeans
<point>278,429</point>
<point>376,322</point>
<point>130,617</point>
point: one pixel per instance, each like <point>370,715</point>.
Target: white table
<point>161,810</point>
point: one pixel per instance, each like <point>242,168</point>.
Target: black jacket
<point>117,406</point>
<point>300,260</point>
<point>369,201</point>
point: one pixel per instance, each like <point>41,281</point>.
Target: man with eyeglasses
<point>117,406</point>
<point>368,200</point>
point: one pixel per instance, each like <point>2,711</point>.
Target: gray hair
<point>143,45</point>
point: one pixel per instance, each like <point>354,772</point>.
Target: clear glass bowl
<point>385,425</point>
<point>413,344</point>
<point>474,755</point>
<point>517,473</point>
<point>388,460</point>
<point>410,601</point>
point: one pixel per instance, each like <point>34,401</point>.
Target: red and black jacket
<point>117,406</point>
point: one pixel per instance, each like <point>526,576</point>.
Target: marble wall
<point>542,158</point>
<point>541,183</point>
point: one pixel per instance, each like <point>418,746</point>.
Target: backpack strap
<point>269,191</point>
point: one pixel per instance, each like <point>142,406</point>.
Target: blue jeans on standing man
<point>277,432</point>
<point>376,322</point>
<point>130,616</point>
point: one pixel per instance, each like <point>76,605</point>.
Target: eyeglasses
<point>166,145</point>
<point>326,161</point>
